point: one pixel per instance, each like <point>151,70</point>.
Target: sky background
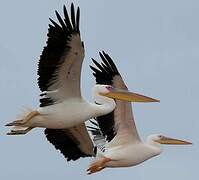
<point>155,45</point>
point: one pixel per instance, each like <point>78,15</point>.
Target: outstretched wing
<point>73,142</point>
<point>98,137</point>
<point>59,79</point>
<point>120,122</point>
<point>61,60</point>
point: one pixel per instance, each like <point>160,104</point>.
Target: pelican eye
<point>109,88</point>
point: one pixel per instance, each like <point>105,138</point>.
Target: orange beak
<point>123,95</point>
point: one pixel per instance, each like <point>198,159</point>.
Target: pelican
<point>63,110</point>
<point>115,134</point>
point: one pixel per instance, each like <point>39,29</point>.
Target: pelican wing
<point>120,122</point>
<point>59,79</point>
<point>61,60</point>
<point>98,137</point>
<point>73,142</point>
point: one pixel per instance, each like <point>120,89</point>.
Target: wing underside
<point>59,67</point>
<point>59,79</point>
<point>73,142</point>
<point>120,122</point>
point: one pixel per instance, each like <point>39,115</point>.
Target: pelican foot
<point>20,132</point>
<point>22,122</point>
<point>98,166</point>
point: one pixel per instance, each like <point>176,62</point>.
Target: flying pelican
<point>115,134</point>
<point>63,110</point>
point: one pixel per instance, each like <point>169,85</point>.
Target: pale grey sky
<point>155,45</point>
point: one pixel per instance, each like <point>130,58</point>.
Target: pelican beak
<point>172,141</point>
<point>123,95</point>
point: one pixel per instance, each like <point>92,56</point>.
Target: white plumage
<point>63,110</point>
<point>115,133</point>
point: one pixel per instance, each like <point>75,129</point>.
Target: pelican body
<point>63,110</point>
<point>72,112</point>
<point>131,154</point>
<point>115,134</point>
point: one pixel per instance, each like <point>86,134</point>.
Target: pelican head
<point>158,138</point>
<point>120,94</point>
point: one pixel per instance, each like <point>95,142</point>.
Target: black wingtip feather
<point>73,16</point>
<point>60,20</point>
<point>98,65</point>
<point>64,144</point>
<point>106,62</point>
<point>111,63</point>
<point>55,24</point>
<point>95,69</point>
<point>77,19</point>
<point>67,19</point>
<point>58,43</point>
<point>104,73</point>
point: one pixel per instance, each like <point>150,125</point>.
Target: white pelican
<point>115,134</point>
<point>63,110</point>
